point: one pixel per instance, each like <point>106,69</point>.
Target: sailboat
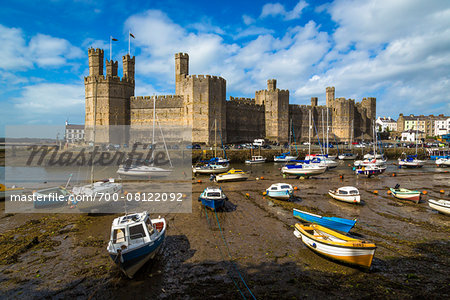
<point>349,155</point>
<point>214,166</point>
<point>138,169</point>
<point>370,167</point>
<point>372,159</point>
<point>284,157</point>
<point>304,168</point>
<point>411,161</point>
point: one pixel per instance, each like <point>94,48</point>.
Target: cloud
<point>277,9</point>
<point>42,50</point>
<point>247,19</point>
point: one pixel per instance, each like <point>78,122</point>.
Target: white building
<point>410,136</point>
<point>441,127</point>
<point>386,124</point>
<point>74,133</point>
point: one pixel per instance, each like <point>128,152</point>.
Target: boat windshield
<point>213,194</point>
<point>285,187</point>
<point>353,192</point>
<point>137,232</point>
<point>119,236</point>
<point>342,192</point>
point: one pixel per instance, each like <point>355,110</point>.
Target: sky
<point>397,51</point>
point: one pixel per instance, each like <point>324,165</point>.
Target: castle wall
<point>300,122</point>
<point>245,120</point>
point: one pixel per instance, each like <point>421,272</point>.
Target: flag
<point>132,35</point>
<point>113,39</point>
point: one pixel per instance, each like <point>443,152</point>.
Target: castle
<point>200,102</point>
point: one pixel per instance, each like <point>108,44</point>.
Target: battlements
<point>108,79</point>
<point>97,51</point>
<point>181,55</point>
<point>162,101</point>
<point>202,77</point>
<point>111,68</point>
<point>265,92</point>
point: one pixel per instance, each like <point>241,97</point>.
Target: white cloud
<point>51,98</point>
<point>247,19</point>
<point>42,50</point>
<point>275,9</point>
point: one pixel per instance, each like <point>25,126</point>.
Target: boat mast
<point>351,137</point>
<point>153,136</point>
<point>309,135</point>
<point>328,128</point>
<point>290,133</point>
<point>323,134</point>
<point>417,132</point>
<point>93,132</point>
<point>215,137</point>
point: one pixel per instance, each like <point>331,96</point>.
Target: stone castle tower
<point>200,102</point>
<point>107,97</point>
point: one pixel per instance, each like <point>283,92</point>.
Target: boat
<point>335,245</point>
<point>50,197</point>
<point>372,156</point>
<point>135,239</point>
<point>410,161</point>
<point>13,190</point>
<point>285,157</point>
<point>370,170</point>
<point>443,162</point>
<point>442,206</point>
<point>405,194</point>
<point>232,175</point>
<point>347,194</point>
<point>347,156</point>
<point>303,169</point>
<point>256,160</point>
<point>436,153</point>
<point>210,168</point>
<point>335,223</point>
<point>280,191</point>
<point>213,197</point>
<point>367,161</point>
<point>136,170</point>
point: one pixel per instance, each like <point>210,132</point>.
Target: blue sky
<point>397,51</point>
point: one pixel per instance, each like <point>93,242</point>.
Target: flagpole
<point>129,52</point>
<point>110,47</point>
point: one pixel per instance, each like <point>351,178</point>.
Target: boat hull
<point>213,204</point>
<point>411,164</point>
<point>414,197</point>
<point>279,194</point>
<point>340,224</point>
<point>304,171</point>
<point>232,177</point>
<point>218,170</point>
<point>130,262</point>
<point>284,159</point>
<point>443,162</point>
<point>441,206</point>
<point>347,157</point>
<point>345,198</point>
<point>357,253</point>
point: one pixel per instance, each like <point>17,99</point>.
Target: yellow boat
<point>6,192</point>
<point>335,245</point>
<point>232,175</point>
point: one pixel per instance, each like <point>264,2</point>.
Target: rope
<point>221,254</point>
<point>231,258</point>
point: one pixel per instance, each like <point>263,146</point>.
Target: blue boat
<point>213,197</point>
<point>334,223</point>
<point>135,239</point>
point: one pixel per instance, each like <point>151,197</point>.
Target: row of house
<point>429,125</point>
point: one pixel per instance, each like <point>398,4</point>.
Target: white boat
<point>303,169</point>
<point>366,162</point>
<point>107,186</point>
<point>411,161</point>
<point>443,162</point>
<point>280,191</point>
<point>256,160</point>
<point>232,175</point>
<point>347,194</point>
<point>442,206</point>
<point>335,245</point>
<point>370,170</point>
<point>135,239</point>
<point>320,156</point>
<point>347,156</point>
<point>371,156</point>
<point>210,168</point>
<point>143,171</point>
<point>284,157</point>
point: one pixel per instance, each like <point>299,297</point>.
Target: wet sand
<point>65,256</point>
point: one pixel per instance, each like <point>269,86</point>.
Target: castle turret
<point>330,96</point>
<point>276,107</point>
<point>111,68</point>
<point>181,71</point>
<point>314,101</point>
<point>95,62</point>
<point>128,67</point>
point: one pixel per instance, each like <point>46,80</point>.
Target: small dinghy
<point>256,160</point>
<point>213,197</point>
<point>405,194</point>
<point>442,206</point>
<point>334,223</point>
<point>347,156</point>
<point>443,162</point>
<point>280,191</point>
<point>232,175</point>
<point>210,168</point>
<point>50,197</point>
<point>347,194</point>
<point>135,239</point>
<point>335,245</point>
